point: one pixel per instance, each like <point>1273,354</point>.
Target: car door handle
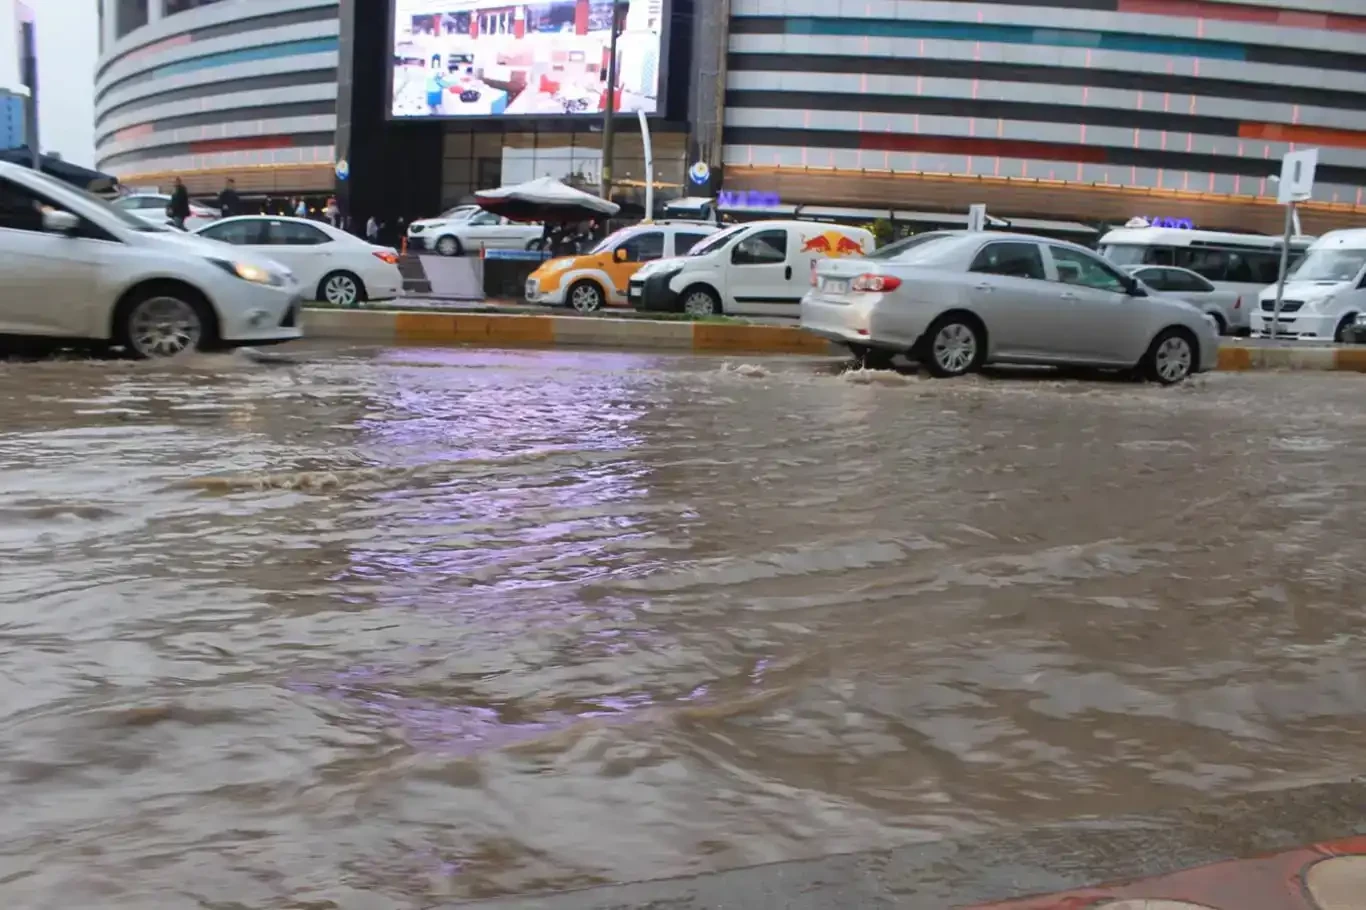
<point>787,273</point>
<point>1068,295</point>
<point>985,286</point>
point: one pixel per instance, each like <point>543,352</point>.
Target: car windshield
<point>1330,265</point>
<point>1125,253</point>
<point>612,240</point>
<point>898,248</point>
<point>132,222</point>
<point>716,241</point>
<point>459,211</point>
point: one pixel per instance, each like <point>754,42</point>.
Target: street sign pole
<point>1285,261</point>
<point>1296,185</point>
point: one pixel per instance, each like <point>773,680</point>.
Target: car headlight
<point>253,273</point>
<point>559,265</point>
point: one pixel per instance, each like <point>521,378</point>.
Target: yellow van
<point>591,281</point>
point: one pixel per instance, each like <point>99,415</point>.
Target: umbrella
<point>65,171</point>
<point>544,199</point>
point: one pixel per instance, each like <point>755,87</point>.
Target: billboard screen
<point>485,58</point>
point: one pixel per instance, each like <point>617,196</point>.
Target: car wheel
<point>954,346</point>
<point>700,301</point>
<point>871,358</point>
<point>449,246</point>
<point>1343,334</point>
<point>1171,358</point>
<point>585,296</point>
<point>341,289</point>
<point>163,324</point>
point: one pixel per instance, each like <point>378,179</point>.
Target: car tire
<point>1343,334</point>
<point>341,289</point>
<point>1171,358</point>
<point>161,322</point>
<point>954,345</point>
<point>700,301</point>
<point>585,297</point>
<point>449,245</point>
<point>871,358</point>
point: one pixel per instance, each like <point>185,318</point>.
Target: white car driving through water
<point>957,300</point>
<point>74,267</point>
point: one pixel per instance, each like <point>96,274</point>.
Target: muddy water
<point>388,629</point>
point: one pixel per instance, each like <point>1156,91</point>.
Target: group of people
<point>230,203</point>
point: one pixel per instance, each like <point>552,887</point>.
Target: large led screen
<point>482,58</point>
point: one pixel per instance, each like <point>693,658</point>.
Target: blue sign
<point>699,173</point>
<point>1164,221</point>
<point>342,170</point>
<point>748,199</point>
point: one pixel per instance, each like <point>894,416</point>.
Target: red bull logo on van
<point>832,243</point>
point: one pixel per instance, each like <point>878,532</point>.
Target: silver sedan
<point>1226,307</point>
<point>958,300</point>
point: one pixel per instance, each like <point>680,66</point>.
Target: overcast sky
<point>68,43</point>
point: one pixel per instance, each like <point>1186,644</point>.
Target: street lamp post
<point>608,134</point>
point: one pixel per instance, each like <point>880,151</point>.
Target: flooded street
<point>396,628</point>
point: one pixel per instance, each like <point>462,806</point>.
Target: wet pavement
<point>395,628</point>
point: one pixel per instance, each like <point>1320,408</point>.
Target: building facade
<point>1076,108</point>
<point>12,130</point>
<point>208,89</point>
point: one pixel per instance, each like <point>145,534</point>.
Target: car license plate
<point>834,285</point>
<point>635,290</point>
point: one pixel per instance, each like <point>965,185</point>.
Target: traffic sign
<point>1297,176</point>
<point>977,217</point>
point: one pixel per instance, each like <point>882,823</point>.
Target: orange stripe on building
<point>1309,135</point>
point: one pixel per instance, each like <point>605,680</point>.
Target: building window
<point>129,15</point>
<point>172,7</point>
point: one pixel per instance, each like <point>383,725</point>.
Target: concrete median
<point>447,327</point>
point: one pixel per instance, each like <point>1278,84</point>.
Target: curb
<point>499,329</point>
<point>415,326</point>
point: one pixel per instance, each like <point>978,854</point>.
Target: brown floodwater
<point>391,628</point>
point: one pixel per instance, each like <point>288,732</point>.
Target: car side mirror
<point>620,255</point>
<point>1135,288</point>
<point>58,222</point>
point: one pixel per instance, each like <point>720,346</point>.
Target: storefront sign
<point>699,173</point>
<point>748,199</point>
<point>343,169</point>
<point>1166,221</point>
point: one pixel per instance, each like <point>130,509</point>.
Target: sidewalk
<point>1233,854</point>
<point>443,321</point>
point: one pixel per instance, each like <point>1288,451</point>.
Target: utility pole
<point>28,75</point>
<point>608,134</point>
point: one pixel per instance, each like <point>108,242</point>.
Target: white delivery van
<point>1324,294</point>
<point>761,268</point>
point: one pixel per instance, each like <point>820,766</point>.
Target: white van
<point>1323,295</point>
<point>1237,264</point>
<point>760,268</point>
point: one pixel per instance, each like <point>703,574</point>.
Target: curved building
<point>207,89</point>
<point>1100,108</point>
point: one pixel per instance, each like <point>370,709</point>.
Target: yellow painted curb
<point>474,328</point>
<point>778,339</point>
<point>1351,360</point>
<point>1234,359</point>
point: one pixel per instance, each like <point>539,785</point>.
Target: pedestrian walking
<point>372,229</point>
<point>301,209</point>
<point>332,211</point>
<point>228,202</point>
<point>179,209</point>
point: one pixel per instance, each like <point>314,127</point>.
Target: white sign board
<point>977,217</point>
<point>1297,176</point>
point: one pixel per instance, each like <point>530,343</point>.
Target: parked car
<point>1324,295</point>
<point>470,230</point>
<point>75,267</point>
<point>329,263</point>
<point>759,268</point>
<point>1224,305</point>
<point>151,207</point>
<point>966,299</point>
<point>590,281</point>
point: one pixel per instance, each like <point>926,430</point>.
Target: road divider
<point>499,329</point>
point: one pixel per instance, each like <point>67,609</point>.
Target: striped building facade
<point>213,88</point>
<point>1102,108</point>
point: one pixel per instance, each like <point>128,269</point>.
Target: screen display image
<point>482,58</point>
